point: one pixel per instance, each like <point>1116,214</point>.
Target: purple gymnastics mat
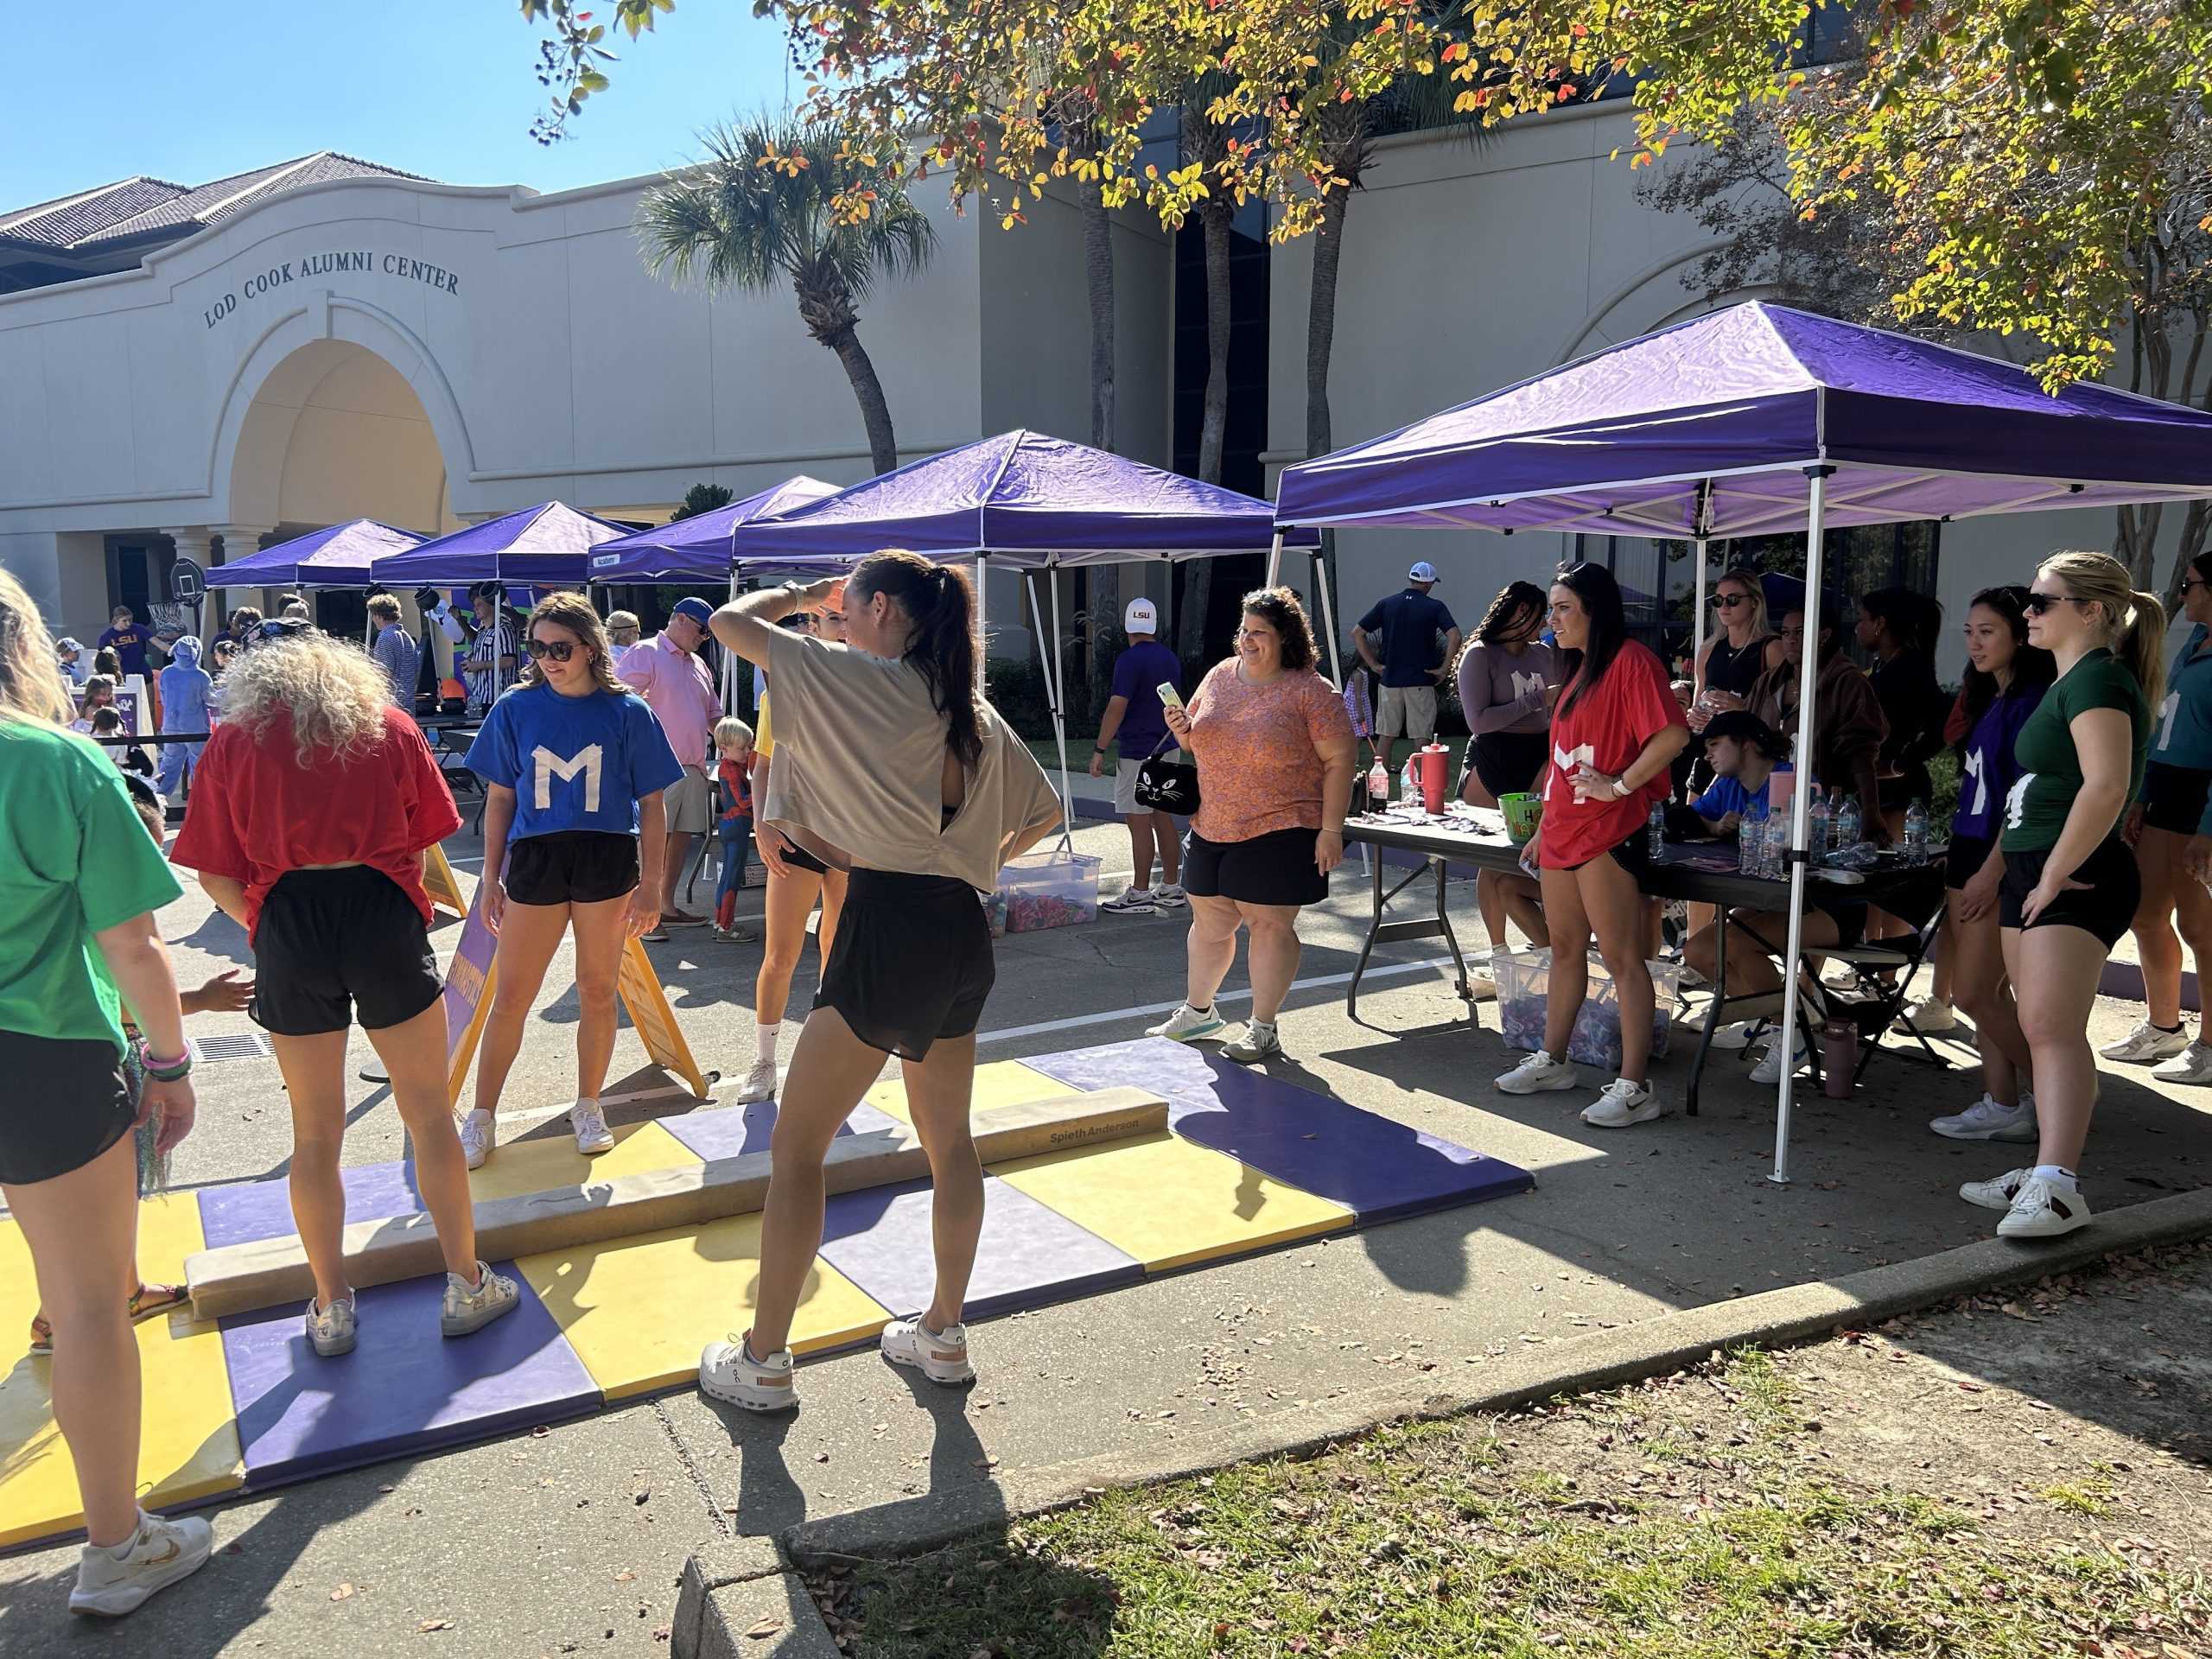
<point>731,1131</point>
<point>1030,1254</point>
<point>1375,1166</point>
<point>405,1389</point>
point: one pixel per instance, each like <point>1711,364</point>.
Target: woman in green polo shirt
<point>79,882</point>
<point>2070,885</point>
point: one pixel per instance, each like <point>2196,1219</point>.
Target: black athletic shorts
<point>1633,854</point>
<point>66,1102</point>
<point>1276,868</point>
<point>912,963</point>
<point>571,866</point>
<point>1509,763</point>
<point>2105,906</point>
<point>2173,798</point>
<point>799,859</point>
<point>331,942</point>
<point>1967,854</point>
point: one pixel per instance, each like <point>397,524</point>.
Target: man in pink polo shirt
<point>665,670</point>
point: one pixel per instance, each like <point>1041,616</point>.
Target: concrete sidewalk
<point>574,1539</point>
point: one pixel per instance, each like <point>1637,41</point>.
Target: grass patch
<point>1690,1519</point>
<point>2092,1497</point>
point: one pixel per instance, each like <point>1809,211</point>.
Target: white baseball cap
<point>1422,571</point>
<point>1140,616</point>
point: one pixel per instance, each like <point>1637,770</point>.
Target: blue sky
<point>195,91</point>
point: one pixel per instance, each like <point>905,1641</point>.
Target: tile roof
<point>138,208</point>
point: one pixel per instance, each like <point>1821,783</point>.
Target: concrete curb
<point>1601,1359</point>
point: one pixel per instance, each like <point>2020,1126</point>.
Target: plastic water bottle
<point>1777,857</point>
<point>1846,822</point>
<point>1378,785</point>
<point>1916,834</point>
<point>1656,832</point>
<point>1816,828</point>
<point>1750,839</point>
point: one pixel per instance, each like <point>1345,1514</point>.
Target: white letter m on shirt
<point>550,766</point>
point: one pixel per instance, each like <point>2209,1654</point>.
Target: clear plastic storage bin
<point>1524,982</point>
<point>1042,890</point>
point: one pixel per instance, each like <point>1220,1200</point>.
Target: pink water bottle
<point>1433,760</point>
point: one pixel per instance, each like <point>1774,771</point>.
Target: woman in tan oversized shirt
<point>908,779</point>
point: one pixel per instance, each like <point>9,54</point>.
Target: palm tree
<point>759,212</point>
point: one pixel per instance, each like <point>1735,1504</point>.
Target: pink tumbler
<point>1433,761</point>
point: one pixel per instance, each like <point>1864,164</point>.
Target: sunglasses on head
<point>559,649</point>
<point>2036,604</point>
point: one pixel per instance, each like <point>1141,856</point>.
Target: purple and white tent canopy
<point>545,546</point>
<point>698,549</point>
<point>1022,500</point>
<point>337,557</point>
<point>1623,441</point>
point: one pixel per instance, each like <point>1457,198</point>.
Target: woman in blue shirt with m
<point>573,767</point>
<point>2170,826</point>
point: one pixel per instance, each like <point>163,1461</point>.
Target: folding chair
<point>1877,1004</point>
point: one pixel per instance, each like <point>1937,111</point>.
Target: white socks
<point>2060,1177</point>
<point>765,1039</point>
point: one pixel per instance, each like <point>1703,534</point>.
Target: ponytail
<point>941,607</point>
<point>2142,647</point>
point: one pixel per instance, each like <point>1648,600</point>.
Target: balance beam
<point>241,1278</point>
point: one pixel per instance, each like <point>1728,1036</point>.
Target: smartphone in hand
<point>1169,696</point>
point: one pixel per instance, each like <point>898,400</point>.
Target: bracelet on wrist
<point>166,1070</point>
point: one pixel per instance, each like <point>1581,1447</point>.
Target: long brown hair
<point>941,606</point>
<point>574,613</point>
<point>2135,623</point>
<point>31,681</point>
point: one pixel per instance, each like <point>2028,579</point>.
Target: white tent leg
<point>730,703</point>
<point>1697,614</point>
<point>1274,561</point>
<point>1328,617</point>
<point>1052,691</point>
<point>982,633</point>
<point>1809,674</point>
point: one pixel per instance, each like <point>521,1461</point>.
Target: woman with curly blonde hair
<point>79,882</point>
<point>573,764</point>
<point>313,807</point>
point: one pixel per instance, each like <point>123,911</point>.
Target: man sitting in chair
<point>1744,753</point>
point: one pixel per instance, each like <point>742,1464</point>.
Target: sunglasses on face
<point>2037,604</point>
<point>1730,601</point>
<point>2188,582</point>
<point>559,649</point>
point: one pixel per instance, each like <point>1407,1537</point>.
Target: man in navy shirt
<point>1133,715</point>
<point>1398,638</point>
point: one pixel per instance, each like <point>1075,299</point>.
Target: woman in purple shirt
<point>2005,679</point>
<point>1508,678</point>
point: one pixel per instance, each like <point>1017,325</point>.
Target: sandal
<point>147,1299</point>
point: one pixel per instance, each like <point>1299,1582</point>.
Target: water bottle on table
<point>1916,834</point>
<point>1656,832</point>
<point>1750,839</point>
<point>1816,828</point>
<point>1847,834</point>
<point>1773,859</point>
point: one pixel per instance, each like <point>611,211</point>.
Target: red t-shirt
<point>257,813</point>
<point>1606,728</point>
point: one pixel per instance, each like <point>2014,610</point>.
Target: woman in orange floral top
<point>1274,749</point>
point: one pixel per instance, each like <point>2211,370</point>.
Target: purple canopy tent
<point>1031,501</point>
<point>338,556</point>
<point>545,546</point>
<point>1749,421</point>
<point>698,549</point>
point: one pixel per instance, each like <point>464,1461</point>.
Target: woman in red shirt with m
<point>1615,733</point>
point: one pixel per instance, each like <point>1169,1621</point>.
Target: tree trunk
<point>875,412</point>
<point>1320,342</point>
<point>1215,217</point>
<point>1098,272</point>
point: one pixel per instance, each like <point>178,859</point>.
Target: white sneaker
<point>468,1308</point>
<point>2192,1064</point>
<point>1840,973</point>
<point>1187,1024</point>
<point>593,1136</point>
<point>1929,1016</point>
<point>160,1554</point>
<point>1256,1042</point>
<point>2042,1209</point>
<point>941,1356</point>
<point>759,1083</point>
<point>1130,901</point>
<point>1769,1070</point>
<point>1536,1074</point>
<point>730,1374</point>
<point>1988,1121</point>
<point>1170,896</point>
<point>333,1331</point>
<point>1997,1193</point>
<point>1623,1103</point>
<point>476,1131</point>
<point>1740,1035</point>
<point>2146,1042</point>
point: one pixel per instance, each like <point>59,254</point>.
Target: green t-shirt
<point>2050,771</point>
<point>75,859</point>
